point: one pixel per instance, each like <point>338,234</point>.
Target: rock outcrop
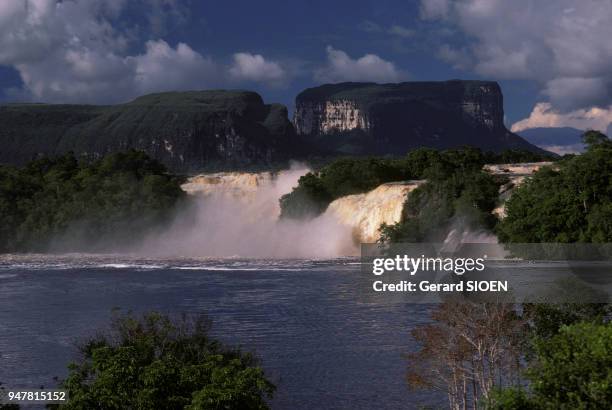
<point>187,131</point>
<point>368,118</point>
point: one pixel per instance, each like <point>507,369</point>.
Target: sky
<point>553,59</point>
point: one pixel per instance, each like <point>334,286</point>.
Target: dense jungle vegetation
<point>65,204</point>
<point>530,357</point>
<point>346,176</point>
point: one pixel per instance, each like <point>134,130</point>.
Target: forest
<point>532,356</point>
<point>55,204</point>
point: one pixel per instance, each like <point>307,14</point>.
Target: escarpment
<point>186,131</point>
<point>221,130</point>
<point>369,118</point>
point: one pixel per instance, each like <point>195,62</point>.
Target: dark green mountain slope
<point>187,131</point>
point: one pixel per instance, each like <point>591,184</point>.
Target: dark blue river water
<point>321,343</point>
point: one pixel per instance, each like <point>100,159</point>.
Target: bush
<point>573,369</point>
<point>509,399</point>
<point>153,362</point>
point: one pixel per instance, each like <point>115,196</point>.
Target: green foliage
<point>509,399</point>
<point>513,156</point>
<point>153,362</point>
<point>315,191</point>
<point>547,319</point>
<point>457,192</point>
<point>570,203</point>
<point>80,205</point>
<point>346,176</point>
<point>573,369</point>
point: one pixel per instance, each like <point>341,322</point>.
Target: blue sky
<point>552,59</point>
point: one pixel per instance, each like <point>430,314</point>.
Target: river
<point>321,343</point>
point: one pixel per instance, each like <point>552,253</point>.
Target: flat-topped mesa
<point>187,131</point>
<point>368,118</point>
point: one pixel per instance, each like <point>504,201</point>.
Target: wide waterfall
<point>237,214</point>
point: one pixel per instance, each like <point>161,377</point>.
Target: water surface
<point>320,342</point>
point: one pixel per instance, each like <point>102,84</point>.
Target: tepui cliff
<point>221,130</point>
<point>369,118</point>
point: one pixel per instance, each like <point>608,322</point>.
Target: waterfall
<point>364,213</point>
<point>237,214</point>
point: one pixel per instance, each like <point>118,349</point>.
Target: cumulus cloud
<point>254,67</point>
<point>177,68</point>
<point>341,67</point>
<point>79,51</point>
<point>562,45</point>
<point>544,115</point>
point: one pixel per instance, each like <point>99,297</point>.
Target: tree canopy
<point>76,205</point>
<point>155,362</point>
<point>346,176</point>
<point>570,202</point>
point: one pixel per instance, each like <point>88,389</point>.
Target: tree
<point>573,369</point>
<point>570,203</point>
<point>153,362</point>
<point>592,138</point>
<point>467,350</point>
<point>80,206</point>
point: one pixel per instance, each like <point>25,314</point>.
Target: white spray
<point>236,215</point>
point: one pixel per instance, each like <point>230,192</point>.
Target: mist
<point>241,219</point>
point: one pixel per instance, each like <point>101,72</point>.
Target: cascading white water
<point>364,213</point>
<point>236,214</point>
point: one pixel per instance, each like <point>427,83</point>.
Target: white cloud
<point>562,46</point>
<point>254,67</point>
<point>341,67</point>
<point>544,115</point>
<point>179,68</point>
<point>76,51</point>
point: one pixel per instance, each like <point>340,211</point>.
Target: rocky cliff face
<point>367,118</point>
<point>187,131</point>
